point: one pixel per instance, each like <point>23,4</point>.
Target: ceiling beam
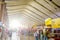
<point>27,13</point>
<point>54,3</point>
<point>51,5</point>
<point>15,5</point>
<point>46,8</point>
<point>25,16</point>
<point>15,9</point>
<point>34,14</point>
<point>31,19</point>
<point>39,10</point>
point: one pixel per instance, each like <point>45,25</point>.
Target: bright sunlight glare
<point>14,24</point>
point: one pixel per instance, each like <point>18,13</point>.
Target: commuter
<point>10,34</point>
<point>36,35</point>
<point>41,34</point>
<point>15,36</point>
<point>45,34</point>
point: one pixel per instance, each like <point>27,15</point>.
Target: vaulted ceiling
<point>35,10</point>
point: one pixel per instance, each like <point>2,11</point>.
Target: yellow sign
<point>34,26</point>
<point>48,21</point>
<point>56,23</point>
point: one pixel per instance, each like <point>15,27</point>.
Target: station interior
<point>29,19</point>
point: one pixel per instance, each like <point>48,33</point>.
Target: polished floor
<point>19,37</point>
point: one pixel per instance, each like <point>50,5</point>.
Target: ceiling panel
<point>19,10</point>
<point>15,8</point>
<point>57,2</point>
<point>31,19</point>
<point>45,5</point>
<point>17,2</point>
<point>10,0</point>
<point>27,13</point>
<point>51,4</point>
<point>37,12</point>
<point>33,14</point>
<point>43,9</point>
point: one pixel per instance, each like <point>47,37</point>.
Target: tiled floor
<point>21,37</point>
<point>15,36</point>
